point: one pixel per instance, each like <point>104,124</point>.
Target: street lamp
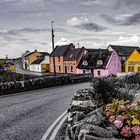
<point>53,48</point>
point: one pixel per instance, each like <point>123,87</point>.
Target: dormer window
<point>71,55</point>
<point>85,63</point>
<point>100,62</point>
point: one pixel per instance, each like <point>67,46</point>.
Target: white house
<point>41,64</point>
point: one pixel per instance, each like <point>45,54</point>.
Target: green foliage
<point>107,89</point>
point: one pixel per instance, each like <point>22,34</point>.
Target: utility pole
<point>53,48</point>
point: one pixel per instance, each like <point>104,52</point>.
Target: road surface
<point>27,115</point>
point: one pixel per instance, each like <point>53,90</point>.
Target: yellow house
<point>28,59</point>
<point>11,68</point>
<point>132,64</point>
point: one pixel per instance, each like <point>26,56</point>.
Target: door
<point>65,69</point>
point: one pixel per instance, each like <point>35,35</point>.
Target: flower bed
<point>125,117</point>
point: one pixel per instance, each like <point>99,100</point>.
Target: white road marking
<point>57,128</point>
<point>53,125</point>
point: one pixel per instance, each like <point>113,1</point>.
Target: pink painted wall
<point>113,66</point>
<point>103,72</point>
<point>79,71</point>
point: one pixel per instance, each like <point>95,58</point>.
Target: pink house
<point>100,62</point>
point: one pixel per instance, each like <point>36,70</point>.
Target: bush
<point>106,89</point>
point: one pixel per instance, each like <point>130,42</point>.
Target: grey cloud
<point>112,3</point>
<point>127,20</point>
<point>91,27</point>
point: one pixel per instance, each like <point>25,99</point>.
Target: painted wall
<point>103,72</point>
<point>113,67</point>
<point>35,68</point>
<point>58,64</point>
<point>45,68</point>
<point>30,59</point>
<point>114,64</point>
<point>70,67</point>
<point>133,61</point>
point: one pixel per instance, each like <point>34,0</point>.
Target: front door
<point>65,69</point>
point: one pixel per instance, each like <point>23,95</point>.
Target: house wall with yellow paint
<point>45,67</point>
<point>30,58</point>
<point>132,64</point>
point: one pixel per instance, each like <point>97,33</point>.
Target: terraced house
<point>124,52</point>
<point>59,54</point>
<point>133,62</point>
<point>29,57</point>
<point>41,64</point>
<point>72,59</point>
<point>100,62</point>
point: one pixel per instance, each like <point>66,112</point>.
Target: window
<point>71,55</point>
<point>71,68</point>
<point>59,68</point>
<point>59,59</point>
<point>99,73</point>
<point>130,69</point>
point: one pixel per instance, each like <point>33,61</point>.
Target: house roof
<point>123,50</point>
<point>95,58</point>
<point>26,53</point>
<point>73,54</point>
<point>44,53</point>
<point>38,61</point>
<point>29,53</point>
<point>60,50</point>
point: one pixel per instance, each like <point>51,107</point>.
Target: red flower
<point>118,124</point>
<point>136,130</point>
<point>126,131</point>
<point>120,118</point>
<point>112,119</point>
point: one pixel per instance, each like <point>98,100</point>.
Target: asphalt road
<point>27,115</point>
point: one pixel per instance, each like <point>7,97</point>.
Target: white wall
<point>35,67</point>
<point>46,60</point>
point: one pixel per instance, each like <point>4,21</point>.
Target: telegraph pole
<point>53,48</point>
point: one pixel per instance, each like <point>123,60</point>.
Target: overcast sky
<point>25,24</point>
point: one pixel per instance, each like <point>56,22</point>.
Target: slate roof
<point>38,61</point>
<point>93,56</point>
<point>73,54</point>
<point>123,50</point>
<point>26,55</point>
<point>60,50</point>
<point>29,53</point>
<point>44,53</point>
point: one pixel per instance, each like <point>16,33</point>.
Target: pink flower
<point>112,119</point>
<point>122,108</point>
<point>120,118</point>
<point>136,130</point>
<point>118,124</point>
<point>108,114</point>
<point>108,107</point>
<point>126,131</point>
<point>133,106</point>
<point>137,137</point>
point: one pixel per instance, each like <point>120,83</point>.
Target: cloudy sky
<point>25,24</point>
